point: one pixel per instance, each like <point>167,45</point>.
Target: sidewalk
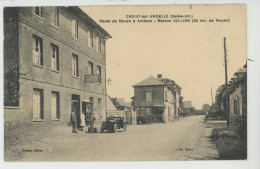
<point>206,149</point>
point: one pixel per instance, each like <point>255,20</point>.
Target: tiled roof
<point>150,81</point>
<point>241,70</point>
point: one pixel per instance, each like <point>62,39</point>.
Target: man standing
<point>74,121</point>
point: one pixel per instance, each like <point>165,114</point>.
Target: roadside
<point>231,142</point>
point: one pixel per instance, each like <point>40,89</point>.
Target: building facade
<point>156,99</point>
<point>55,61</point>
<point>234,109</point>
<point>238,97</point>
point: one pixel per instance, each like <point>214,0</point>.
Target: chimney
<point>159,76</point>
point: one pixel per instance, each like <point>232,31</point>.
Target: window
<point>75,29</point>
<point>37,51</point>
<point>90,68</point>
<point>37,104</point>
<point>54,57</point>
<point>55,105</point>
<point>55,16</point>
<point>98,44</point>
<point>75,65</point>
<point>37,11</point>
<point>99,73</point>
<point>148,96</point>
<point>90,39</point>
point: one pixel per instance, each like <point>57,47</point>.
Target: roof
<point>110,105</point>
<point>241,70</point>
<point>150,81</point>
<point>187,104</point>
<point>89,20</point>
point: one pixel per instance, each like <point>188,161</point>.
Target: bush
<point>230,142</point>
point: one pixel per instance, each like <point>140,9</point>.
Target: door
<point>75,104</point>
<point>89,112</point>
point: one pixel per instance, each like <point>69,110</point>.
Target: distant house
<point>121,108</point>
<point>112,110</point>
<point>156,99</point>
<point>187,107</point>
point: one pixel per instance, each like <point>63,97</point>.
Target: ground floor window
<point>38,104</point>
<point>55,105</point>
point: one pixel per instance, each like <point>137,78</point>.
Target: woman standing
<point>82,120</point>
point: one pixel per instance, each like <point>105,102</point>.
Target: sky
<point>191,54</point>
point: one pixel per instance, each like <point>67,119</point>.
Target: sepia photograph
<point>125,83</point>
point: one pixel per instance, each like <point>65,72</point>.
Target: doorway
<point>75,104</point>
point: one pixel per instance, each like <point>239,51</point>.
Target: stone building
<point>156,100</point>
<point>54,61</point>
<point>238,96</point>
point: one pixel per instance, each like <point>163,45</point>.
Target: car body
<point>144,119</point>
<point>113,124</point>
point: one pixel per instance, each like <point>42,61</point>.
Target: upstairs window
<point>99,73</point>
<point>98,44</point>
<point>54,57</point>
<point>37,51</point>
<point>55,16</point>
<point>90,68</point>
<point>90,39</point>
<point>37,11</point>
<point>75,29</point>
<point>148,96</point>
<point>75,65</point>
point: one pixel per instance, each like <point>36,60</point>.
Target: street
<point>184,139</point>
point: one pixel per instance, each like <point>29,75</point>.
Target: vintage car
<point>113,124</point>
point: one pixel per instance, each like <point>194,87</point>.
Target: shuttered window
<point>37,51</point>
<point>37,104</point>
<point>55,105</point>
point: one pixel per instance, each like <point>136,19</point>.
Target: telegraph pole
<point>225,58</point>
<point>211,97</point>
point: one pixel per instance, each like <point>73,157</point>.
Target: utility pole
<point>211,97</point>
<point>225,58</point>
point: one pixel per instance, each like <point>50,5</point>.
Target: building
<point>238,96</point>
<point>156,99</point>
<point>127,106</point>
<point>54,61</point>
<point>236,102</point>
<point>187,107</point>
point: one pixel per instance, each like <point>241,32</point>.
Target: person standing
<point>82,121</point>
<point>206,116</point>
<point>74,121</point>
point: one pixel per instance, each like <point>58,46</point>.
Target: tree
<point>12,77</point>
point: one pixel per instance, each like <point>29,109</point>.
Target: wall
<point>140,96</point>
<point>169,106</point>
<point>177,105</point>
<point>238,94</point>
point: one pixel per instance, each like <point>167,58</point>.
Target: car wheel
<point>115,128</point>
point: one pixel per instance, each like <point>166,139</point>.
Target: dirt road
<point>184,139</point>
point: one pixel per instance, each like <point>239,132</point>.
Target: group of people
<point>82,121</point>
